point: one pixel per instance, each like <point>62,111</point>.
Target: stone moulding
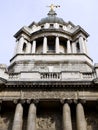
<point>48,84</point>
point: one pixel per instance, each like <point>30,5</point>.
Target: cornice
<point>48,84</point>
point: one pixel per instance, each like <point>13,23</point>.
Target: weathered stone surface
<point>51,50</point>
<point>31,123</point>
<point>49,120</point>
<point>80,117</point>
<point>67,124</point>
<point>18,118</point>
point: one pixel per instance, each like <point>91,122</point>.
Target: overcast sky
<point>15,14</point>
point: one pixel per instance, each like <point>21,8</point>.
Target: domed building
<point>51,82</point>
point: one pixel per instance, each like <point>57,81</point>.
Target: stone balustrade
<point>88,75</point>
<point>52,76</point>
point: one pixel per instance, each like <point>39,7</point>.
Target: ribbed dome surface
<point>52,19</point>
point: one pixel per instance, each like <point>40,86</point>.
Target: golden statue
<point>52,6</point>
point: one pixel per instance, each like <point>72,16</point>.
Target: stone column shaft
<point>45,45</point>
<point>18,118</point>
<point>80,117</point>
<point>20,45</point>
<point>74,47</point>
<point>34,47</point>
<point>67,123</point>
<point>68,47</point>
<point>31,123</point>
<point>82,46</point>
<point>57,45</point>
<point>28,47</point>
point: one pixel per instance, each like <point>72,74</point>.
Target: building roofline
<point>22,30</point>
<point>79,28</point>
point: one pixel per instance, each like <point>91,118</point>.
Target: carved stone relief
<point>92,121</point>
<point>5,122</point>
<point>50,121</point>
<point>49,94</point>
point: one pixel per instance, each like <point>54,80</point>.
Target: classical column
<point>81,43</point>
<point>80,117</point>
<point>28,47</point>
<point>20,45</point>
<point>73,47</point>
<point>67,123</point>
<point>57,45</point>
<point>45,45</point>
<point>34,47</point>
<point>18,118</point>
<point>31,123</point>
<point>85,42</point>
<point>68,47</point>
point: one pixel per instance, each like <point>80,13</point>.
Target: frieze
<point>49,94</point>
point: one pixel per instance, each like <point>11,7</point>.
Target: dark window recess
<point>51,25</point>
<point>51,47</point>
<point>60,26</point>
<point>42,26</point>
<point>78,47</point>
<point>24,47</point>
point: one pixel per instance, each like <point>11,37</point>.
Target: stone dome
<point>52,18</point>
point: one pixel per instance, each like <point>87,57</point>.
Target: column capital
<point>82,101</point>
<point>57,36</point>
<point>75,101</point>
<point>44,36</point>
<point>21,101</point>
<point>63,101</point>
<point>35,101</point>
<point>15,101</point>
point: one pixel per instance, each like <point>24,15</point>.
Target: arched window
<point>24,47</point>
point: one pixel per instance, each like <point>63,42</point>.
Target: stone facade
<point>51,82</point>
